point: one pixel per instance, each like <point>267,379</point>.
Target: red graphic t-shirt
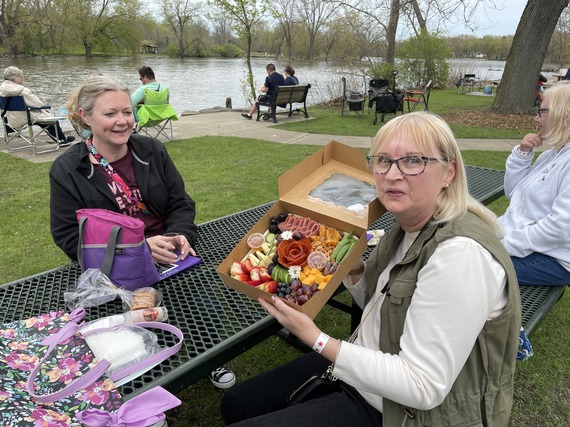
<point>124,167</point>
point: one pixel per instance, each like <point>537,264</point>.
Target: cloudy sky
<point>496,22</point>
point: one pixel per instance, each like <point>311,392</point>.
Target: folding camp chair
<point>467,83</point>
<point>156,114</point>
<point>11,133</point>
<point>351,99</point>
<point>414,97</point>
<point>376,88</point>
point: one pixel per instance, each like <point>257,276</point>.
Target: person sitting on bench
<point>537,222</point>
<point>272,80</point>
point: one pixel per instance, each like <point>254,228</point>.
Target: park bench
<point>293,94</point>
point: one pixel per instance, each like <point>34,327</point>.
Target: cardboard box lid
<point>296,184</point>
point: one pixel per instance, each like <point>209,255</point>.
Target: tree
<point>101,23</point>
<point>179,14</point>
<point>314,14</point>
<point>247,14</point>
<point>526,56</point>
<point>286,17</point>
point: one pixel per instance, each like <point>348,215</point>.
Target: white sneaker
<point>222,378</point>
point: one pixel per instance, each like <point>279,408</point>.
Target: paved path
<point>222,122</point>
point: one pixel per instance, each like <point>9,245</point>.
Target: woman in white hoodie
<point>537,221</point>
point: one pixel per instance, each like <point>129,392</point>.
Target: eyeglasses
<point>540,111</point>
<point>409,165</point>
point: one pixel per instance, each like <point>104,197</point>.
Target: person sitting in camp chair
<point>156,114</point>
<point>148,80</point>
<point>13,85</point>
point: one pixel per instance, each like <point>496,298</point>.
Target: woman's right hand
<point>161,249</point>
<point>530,142</point>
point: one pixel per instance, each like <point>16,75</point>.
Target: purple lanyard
<point>116,177</point>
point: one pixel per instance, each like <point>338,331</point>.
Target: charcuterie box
<point>334,188</point>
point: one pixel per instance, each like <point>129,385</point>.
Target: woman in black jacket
<point>115,170</point>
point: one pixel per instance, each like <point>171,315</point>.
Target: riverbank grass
<point>454,107</point>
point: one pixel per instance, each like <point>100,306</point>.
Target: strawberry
<point>246,266</point>
<point>254,282</point>
<point>236,269</point>
<point>241,277</point>
<point>254,273</point>
<point>270,286</point>
<point>264,274</point>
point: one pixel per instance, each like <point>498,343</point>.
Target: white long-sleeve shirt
<point>538,216</point>
<point>458,290</point>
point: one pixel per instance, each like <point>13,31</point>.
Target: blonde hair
<point>433,138</point>
<point>84,97</point>
<point>558,114</point>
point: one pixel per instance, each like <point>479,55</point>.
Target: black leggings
<point>262,400</point>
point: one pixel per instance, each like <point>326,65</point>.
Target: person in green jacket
<point>438,338</point>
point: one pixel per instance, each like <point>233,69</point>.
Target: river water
<point>197,84</point>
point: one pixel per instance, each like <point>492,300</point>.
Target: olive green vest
<point>482,394</point>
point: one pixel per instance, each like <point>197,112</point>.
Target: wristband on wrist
<point>321,342</point>
<point>524,153</point>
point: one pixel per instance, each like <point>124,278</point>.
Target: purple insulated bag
<point>115,244</point>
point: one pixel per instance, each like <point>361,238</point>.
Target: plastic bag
<point>346,192</point>
<point>122,346</point>
<point>93,288</point>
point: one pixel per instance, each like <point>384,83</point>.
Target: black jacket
<point>75,184</point>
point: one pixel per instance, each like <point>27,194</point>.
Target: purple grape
<point>305,290</point>
<point>314,288</point>
<point>302,299</point>
<point>296,285</point>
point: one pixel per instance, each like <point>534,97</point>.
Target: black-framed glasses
<point>409,165</point>
<point>541,111</point>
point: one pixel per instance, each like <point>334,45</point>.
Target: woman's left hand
<point>296,322</point>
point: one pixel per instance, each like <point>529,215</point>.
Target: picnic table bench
<point>291,94</point>
<point>218,323</point>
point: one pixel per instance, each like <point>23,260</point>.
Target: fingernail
<point>273,298</point>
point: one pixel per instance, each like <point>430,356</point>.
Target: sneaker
<point>222,377</point>
<point>67,141</point>
<point>247,116</point>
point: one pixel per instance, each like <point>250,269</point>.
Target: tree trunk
<point>391,31</point>
<point>515,93</point>
<point>249,42</point>
<point>88,48</point>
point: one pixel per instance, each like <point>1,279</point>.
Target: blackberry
<point>273,228</point>
<point>282,216</point>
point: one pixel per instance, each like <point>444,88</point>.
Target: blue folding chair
<point>11,133</point>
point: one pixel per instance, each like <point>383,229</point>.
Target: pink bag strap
<point>98,370</point>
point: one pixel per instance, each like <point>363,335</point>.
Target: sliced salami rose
<point>293,252</point>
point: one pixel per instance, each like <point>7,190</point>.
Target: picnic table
<point>218,323</point>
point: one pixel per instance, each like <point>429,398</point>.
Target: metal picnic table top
<point>218,323</point>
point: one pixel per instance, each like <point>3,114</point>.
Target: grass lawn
<point>226,175</point>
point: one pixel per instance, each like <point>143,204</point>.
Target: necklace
<point>116,178</point>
